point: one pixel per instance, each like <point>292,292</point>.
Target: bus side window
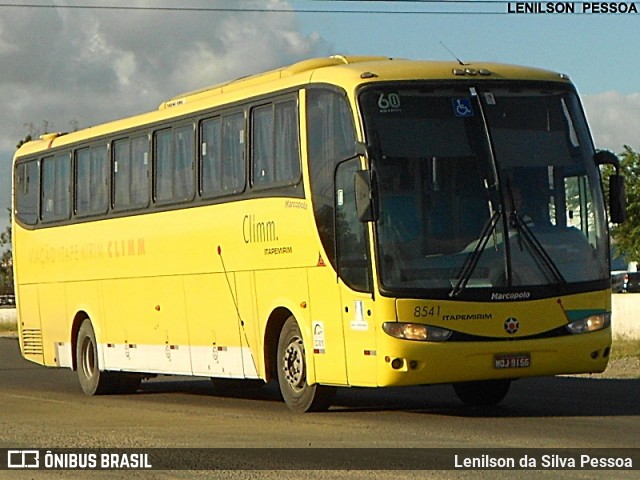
<point>163,157</point>
<point>130,171</point>
<point>56,188</point>
<point>211,157</point>
<point>174,154</point>
<point>331,138</point>
<point>139,172</point>
<point>92,170</point>
<point>83,192</point>
<point>183,157</point>
<point>27,191</point>
<point>233,164</point>
<point>287,143</point>
<point>262,154</point>
<point>275,151</point>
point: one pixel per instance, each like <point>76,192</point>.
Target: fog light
<point>397,363</point>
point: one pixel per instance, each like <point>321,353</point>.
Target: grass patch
<point>8,327</point>
<point>625,348</point>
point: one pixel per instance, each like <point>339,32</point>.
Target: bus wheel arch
<point>292,366</point>
<point>80,317</point>
<point>274,326</point>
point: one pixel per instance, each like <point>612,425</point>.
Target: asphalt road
<point>45,408</point>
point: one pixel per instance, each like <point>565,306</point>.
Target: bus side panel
<point>252,359</point>
<point>213,326</point>
<point>326,319</point>
<point>360,337</point>
<point>146,326</point>
<point>56,326</point>
<point>29,323</point>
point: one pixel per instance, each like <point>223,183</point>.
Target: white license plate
<point>512,360</point>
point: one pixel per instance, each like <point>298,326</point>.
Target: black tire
<point>93,381</point>
<point>299,396</point>
<point>482,393</point>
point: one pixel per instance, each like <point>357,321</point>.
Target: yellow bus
<point>343,221</point>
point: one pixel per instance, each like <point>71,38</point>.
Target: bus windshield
<point>489,188</point>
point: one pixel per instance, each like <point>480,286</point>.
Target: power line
<point>285,10</point>
<point>428,7</point>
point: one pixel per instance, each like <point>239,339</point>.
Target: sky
<point>74,63</point>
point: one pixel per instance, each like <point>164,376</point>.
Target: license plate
<point>512,360</point>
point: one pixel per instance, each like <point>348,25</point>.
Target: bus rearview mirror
<point>617,199</point>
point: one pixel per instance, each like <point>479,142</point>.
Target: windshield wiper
<point>535,247</point>
<point>472,260</point>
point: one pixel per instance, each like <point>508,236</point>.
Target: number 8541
<point>426,311</point>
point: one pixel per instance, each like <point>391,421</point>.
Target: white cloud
<point>614,119</point>
<point>90,66</point>
<point>71,67</point>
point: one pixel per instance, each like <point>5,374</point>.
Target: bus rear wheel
<point>482,393</point>
<point>92,380</point>
<point>299,396</point>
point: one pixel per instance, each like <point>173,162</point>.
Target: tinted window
<point>330,140</point>
<point>211,156</point>
<point>92,172</point>
<point>27,188</point>
<point>174,164</point>
<point>130,171</point>
<point>233,165</point>
<point>56,182</point>
<point>262,145</point>
<point>275,145</point>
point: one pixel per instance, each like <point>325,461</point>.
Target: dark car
<point>618,281</point>
<point>632,282</point>
<point>7,300</point>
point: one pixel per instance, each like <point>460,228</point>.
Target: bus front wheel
<point>292,374</point>
<point>482,393</point>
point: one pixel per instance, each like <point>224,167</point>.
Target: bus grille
<point>32,341</point>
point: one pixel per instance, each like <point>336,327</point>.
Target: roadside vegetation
<point>8,327</point>
<point>625,349</point>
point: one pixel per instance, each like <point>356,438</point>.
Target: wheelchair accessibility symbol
<point>462,107</point>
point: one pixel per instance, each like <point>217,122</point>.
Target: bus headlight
<point>416,331</point>
<point>590,324</point>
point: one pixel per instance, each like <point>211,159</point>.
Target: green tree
<point>627,235</point>
<point>23,141</point>
<point>6,261</point>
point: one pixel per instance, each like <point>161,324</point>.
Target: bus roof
<point>344,70</point>
<point>347,71</point>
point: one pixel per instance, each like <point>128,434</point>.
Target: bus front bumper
<point>404,362</point>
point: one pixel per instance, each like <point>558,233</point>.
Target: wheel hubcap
<point>293,364</point>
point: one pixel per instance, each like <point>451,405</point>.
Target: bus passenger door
<point>354,268</point>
